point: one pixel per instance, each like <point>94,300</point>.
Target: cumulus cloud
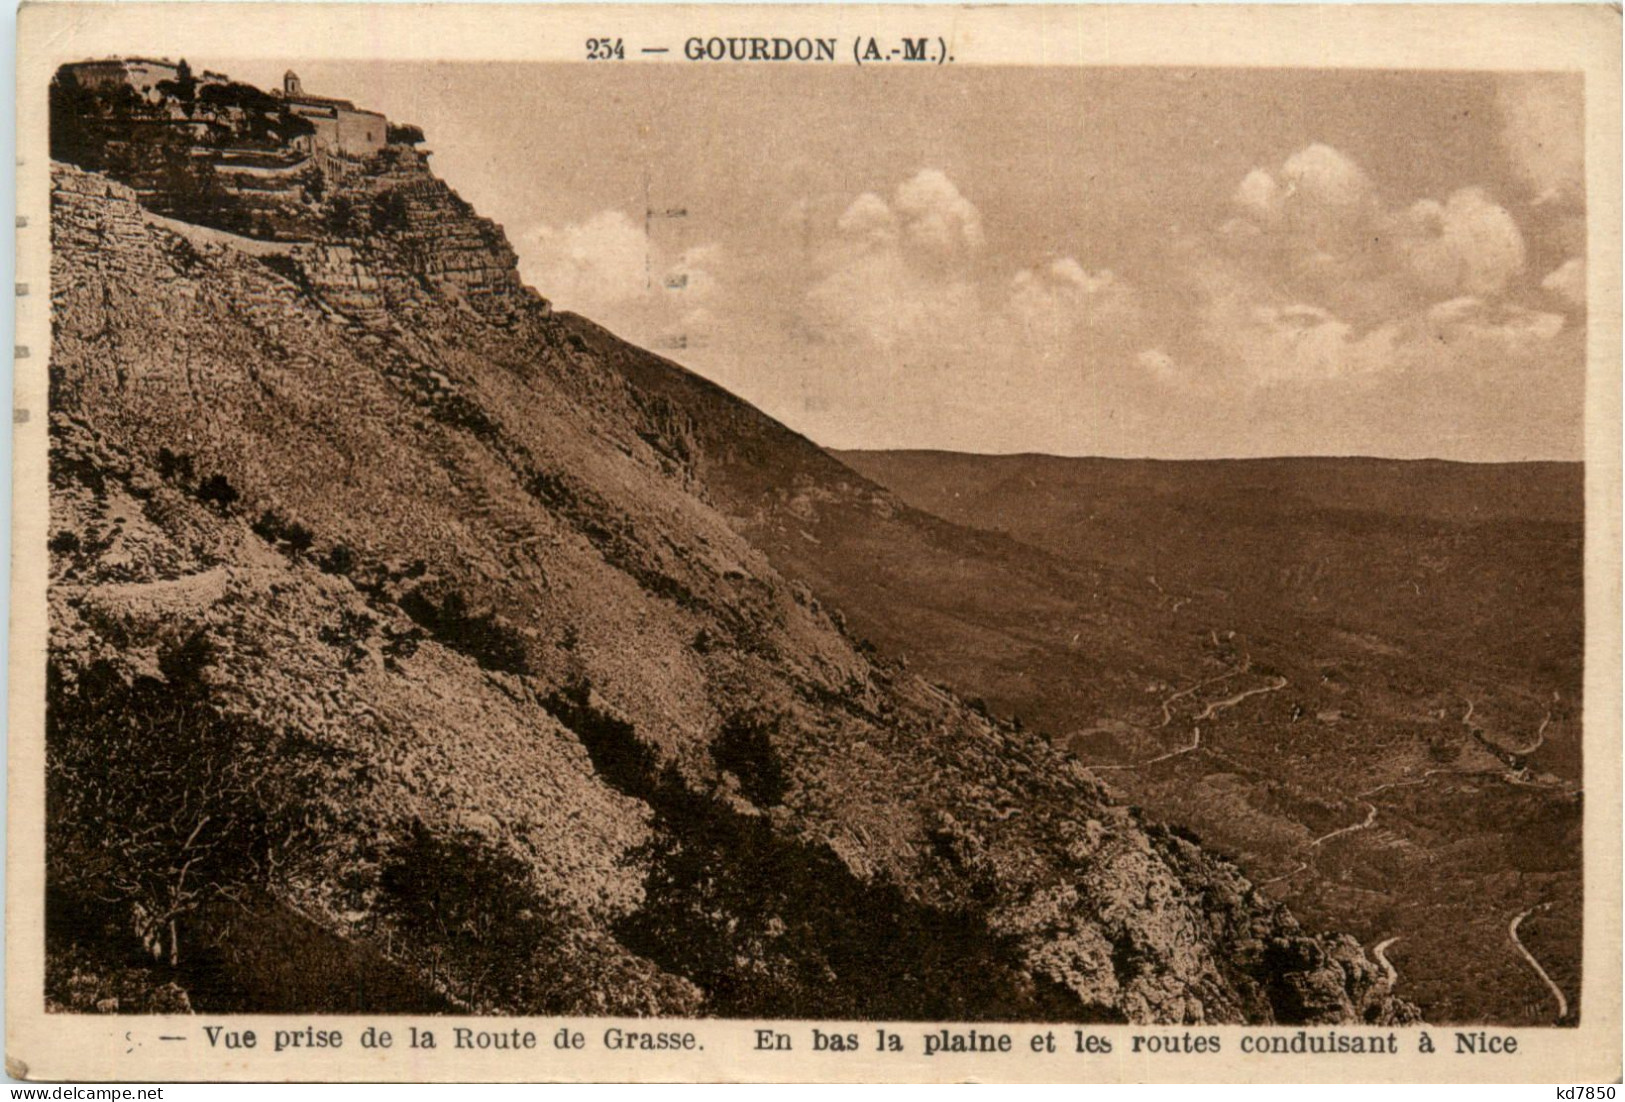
<point>606,268</point>
<point>879,297</point>
<point>1259,194</point>
<point>1317,193</point>
<point>904,278</point>
<point>1324,230</point>
<point>1301,343</point>
<point>1054,305</point>
<point>1268,341</point>
<point>591,265</point>
<point>1568,281</point>
<point>1505,325</point>
<point>868,221</point>
<point>936,216</point>
<point>895,272</point>
<point>1311,228</point>
<point>1314,279</point>
<point>1320,177</point>
<point>1468,244</point>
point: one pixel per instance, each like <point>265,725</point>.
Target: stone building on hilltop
<point>341,127</point>
<point>141,74</point>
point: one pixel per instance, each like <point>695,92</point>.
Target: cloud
<point>878,297</point>
<point>1304,344</point>
<point>895,273</point>
<point>1318,176</point>
<point>1317,193</point>
<point>936,216</point>
<point>1311,229</point>
<point>1259,194</point>
<point>1314,279</point>
<point>868,222</point>
<point>1504,326</point>
<point>1265,341</point>
<point>1542,130</point>
<point>1055,305</point>
<point>903,279</point>
<point>1568,281</point>
<point>1467,245</point>
<point>606,268</point>
<point>1318,228</point>
<point>590,265</point>
<point>1312,287</point>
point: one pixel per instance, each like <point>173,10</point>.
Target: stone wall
<point>360,133</point>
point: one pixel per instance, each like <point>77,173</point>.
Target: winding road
<point>1196,740</point>
<point>1167,713</point>
<point>1302,865</point>
<point>1379,952</point>
<point>1496,748</point>
<point>1423,779</point>
<point>1365,824</point>
<point>1540,738</point>
<point>1277,683</point>
<point>1219,705</point>
<point>1512,932</point>
<point>1371,819</point>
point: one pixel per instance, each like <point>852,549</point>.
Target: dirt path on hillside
<point>1365,824</point>
<point>1167,711</point>
<point>1517,770</point>
<point>1423,779</point>
<point>1212,709</point>
<point>1512,932</point>
<point>1540,737</point>
<point>1219,705</point>
<point>1379,953</point>
<point>1302,866</point>
<point>1196,741</point>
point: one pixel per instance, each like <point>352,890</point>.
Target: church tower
<point>290,84</point>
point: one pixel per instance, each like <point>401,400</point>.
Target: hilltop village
<point>218,152</point>
<point>338,197</point>
<point>210,104</point>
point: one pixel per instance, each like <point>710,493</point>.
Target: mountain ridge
<point>434,609</point>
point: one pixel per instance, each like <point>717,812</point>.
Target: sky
<point>1177,263</point>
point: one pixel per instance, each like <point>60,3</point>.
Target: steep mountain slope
<point>1261,730</point>
<point>401,658</point>
<point>1363,681</point>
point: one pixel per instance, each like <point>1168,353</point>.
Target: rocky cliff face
<point>392,217</point>
<point>391,613</point>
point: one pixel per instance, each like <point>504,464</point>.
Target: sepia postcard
<point>763,542</point>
